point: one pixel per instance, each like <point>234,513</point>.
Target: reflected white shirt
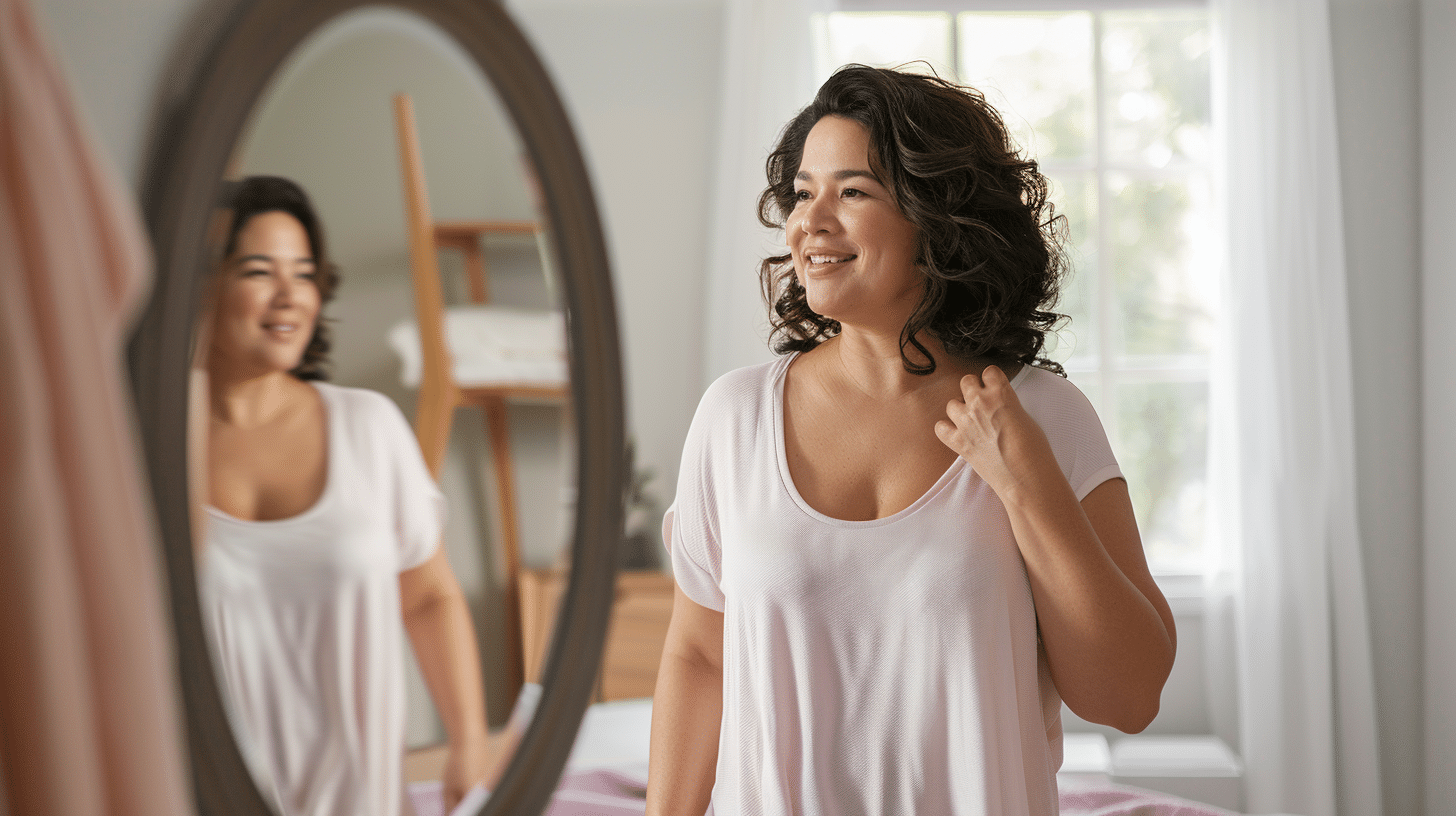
<point>304,617</point>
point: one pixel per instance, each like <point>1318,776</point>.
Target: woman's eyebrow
<point>839,175</point>
<point>270,259</point>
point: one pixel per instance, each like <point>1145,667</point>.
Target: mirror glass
<point>328,122</point>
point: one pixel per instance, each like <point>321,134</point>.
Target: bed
<point>606,775</point>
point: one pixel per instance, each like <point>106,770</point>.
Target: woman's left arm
<point>438,622</point>
<point>1107,630</point>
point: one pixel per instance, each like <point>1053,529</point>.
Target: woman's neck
<point>873,363</point>
<point>250,401</point>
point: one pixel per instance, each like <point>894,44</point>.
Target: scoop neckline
<point>781,446</point>
<point>330,474</point>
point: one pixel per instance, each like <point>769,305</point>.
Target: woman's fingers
<point>990,378</point>
<point>945,431</point>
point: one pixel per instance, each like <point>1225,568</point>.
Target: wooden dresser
<point>635,635</point>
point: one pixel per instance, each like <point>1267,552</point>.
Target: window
<point>1114,105</point>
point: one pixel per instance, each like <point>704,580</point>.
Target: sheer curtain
<point>768,76</point>
<point>1282,416</point>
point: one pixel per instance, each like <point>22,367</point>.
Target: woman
<point>323,534</point>
<point>902,545</point>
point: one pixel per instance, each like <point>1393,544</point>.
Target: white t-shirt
<point>305,620</point>
<point>871,667</point>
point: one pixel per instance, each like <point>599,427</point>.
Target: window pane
<point>1155,67</point>
<point>1036,69</point>
<point>1162,263</point>
<point>1162,447</point>
<point>1075,195</point>
<point>886,41</point>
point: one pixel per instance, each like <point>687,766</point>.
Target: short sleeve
<point>1075,432</point>
<point>699,580</point>
<point>419,506</point>
<point>690,528</point>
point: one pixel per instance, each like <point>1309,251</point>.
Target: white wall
<point>114,56</point>
<point>1438,292</point>
<point>641,80</point>
<point>1375,64</point>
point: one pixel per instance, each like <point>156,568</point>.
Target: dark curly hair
<point>990,244</point>
<point>256,195</point>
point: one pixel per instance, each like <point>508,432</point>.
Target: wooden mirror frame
<point>220,70</point>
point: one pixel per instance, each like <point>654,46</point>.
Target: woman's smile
<point>822,262</point>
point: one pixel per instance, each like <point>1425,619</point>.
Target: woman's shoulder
<point>741,397</point>
<point>358,404</point>
<point>751,380</point>
<point>1041,383</point>
<point>1053,400</point>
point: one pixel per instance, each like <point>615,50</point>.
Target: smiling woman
<point>908,533</point>
<point>322,525</point>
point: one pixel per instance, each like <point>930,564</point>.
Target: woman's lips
<point>825,262</point>
<point>282,331</point>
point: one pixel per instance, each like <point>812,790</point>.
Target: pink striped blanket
<point>603,792</point>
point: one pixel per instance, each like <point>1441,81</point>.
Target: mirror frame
<point>219,71</point>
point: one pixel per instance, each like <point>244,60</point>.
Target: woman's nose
<point>818,216</point>
<point>283,286</point>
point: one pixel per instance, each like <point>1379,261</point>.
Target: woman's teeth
<point>829,259</point>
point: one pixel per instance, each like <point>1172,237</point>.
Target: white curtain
<point>1283,437</point>
<point>768,76</point>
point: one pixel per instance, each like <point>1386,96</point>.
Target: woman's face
<point>268,301</point>
<point>853,250</point>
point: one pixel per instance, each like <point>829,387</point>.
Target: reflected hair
<point>990,244</point>
<point>256,195</point>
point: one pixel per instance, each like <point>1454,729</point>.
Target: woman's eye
<point>850,192</point>
<point>801,195</point>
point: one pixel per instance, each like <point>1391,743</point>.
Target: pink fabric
<point>612,793</point>
<point>1106,799</point>
<point>87,696</point>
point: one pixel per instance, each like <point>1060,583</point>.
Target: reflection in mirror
<point>298,679</point>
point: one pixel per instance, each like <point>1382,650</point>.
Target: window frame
<point>955,6</point>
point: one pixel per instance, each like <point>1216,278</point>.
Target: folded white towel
<point>491,345</point>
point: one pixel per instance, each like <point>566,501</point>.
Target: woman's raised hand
<point>990,430</point>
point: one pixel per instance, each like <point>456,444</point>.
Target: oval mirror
<point>255,98</point>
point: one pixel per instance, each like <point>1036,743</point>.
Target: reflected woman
<point>901,545</point>
<point>323,530</point>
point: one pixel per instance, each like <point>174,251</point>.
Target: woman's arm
<point>687,711</point>
<point>1107,629</point>
<point>438,622</point>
